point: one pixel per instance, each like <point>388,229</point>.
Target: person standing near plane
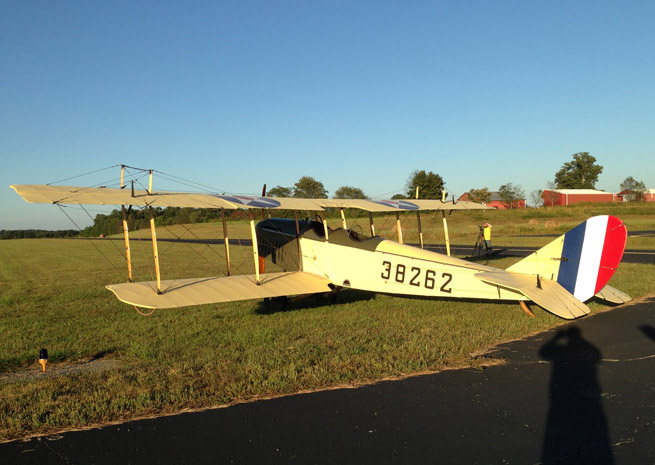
<point>486,230</point>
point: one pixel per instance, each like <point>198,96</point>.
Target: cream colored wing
<point>201,291</point>
<point>35,193</point>
<point>111,196</point>
<point>546,293</point>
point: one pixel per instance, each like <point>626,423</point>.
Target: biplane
<point>315,258</point>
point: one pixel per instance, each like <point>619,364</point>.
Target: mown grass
<point>52,295</point>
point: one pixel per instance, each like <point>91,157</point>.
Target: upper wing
<point>201,291</point>
<point>111,196</point>
<point>549,294</point>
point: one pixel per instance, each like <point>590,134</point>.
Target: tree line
<point>36,233</point>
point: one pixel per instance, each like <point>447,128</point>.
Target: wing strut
<point>445,232</point>
<point>370,222</point>
<point>226,241</point>
<point>126,235</point>
<point>295,217</point>
<point>154,249</point>
<point>325,226</point>
<point>255,253</point>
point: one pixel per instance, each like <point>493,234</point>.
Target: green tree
<point>279,191</point>
<point>309,188</point>
<point>430,185</point>
<point>348,192</point>
<point>398,197</point>
<point>581,173</point>
<point>479,195</point>
<point>537,198</point>
<point>511,194</point>
<point>635,189</point>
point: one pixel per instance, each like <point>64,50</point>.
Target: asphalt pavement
<point>581,393</point>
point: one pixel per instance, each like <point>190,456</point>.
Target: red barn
<point>572,196</point>
<point>628,195</point>
<point>497,202</point>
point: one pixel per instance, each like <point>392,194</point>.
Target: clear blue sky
<point>235,94</point>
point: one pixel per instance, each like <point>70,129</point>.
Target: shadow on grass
<point>287,304</point>
<point>103,354</point>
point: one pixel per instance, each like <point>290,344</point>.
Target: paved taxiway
<point>581,393</point>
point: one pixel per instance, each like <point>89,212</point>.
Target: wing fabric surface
<point>201,291</point>
<point>110,196</point>
<point>549,295</point>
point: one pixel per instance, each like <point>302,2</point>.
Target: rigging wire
<point>200,239</point>
<point>387,194</point>
<point>192,183</point>
<point>80,175</point>
<point>138,179</point>
<point>91,240</point>
<point>122,252</point>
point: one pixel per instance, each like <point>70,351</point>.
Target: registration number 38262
<point>415,276</point>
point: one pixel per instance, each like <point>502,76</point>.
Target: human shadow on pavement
<point>576,428</point>
<point>649,331</point>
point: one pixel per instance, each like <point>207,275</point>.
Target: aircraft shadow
<point>283,304</point>
<point>576,427</point>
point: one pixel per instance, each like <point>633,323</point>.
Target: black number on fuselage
<point>429,279</point>
<point>387,270</point>
<point>400,273</point>
<point>449,278</point>
<point>414,281</point>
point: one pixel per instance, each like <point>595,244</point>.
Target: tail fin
<point>583,259</point>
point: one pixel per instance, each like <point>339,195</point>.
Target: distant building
<point>496,201</point>
<point>629,196</point>
<point>572,196</point>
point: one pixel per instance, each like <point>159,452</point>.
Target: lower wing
<point>201,291</point>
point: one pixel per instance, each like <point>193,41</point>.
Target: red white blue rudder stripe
<point>591,253</point>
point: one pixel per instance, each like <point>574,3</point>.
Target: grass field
<point>52,295</point>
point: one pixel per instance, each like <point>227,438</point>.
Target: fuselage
<point>374,264</point>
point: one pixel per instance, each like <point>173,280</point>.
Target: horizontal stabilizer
<point>613,295</point>
<point>201,291</point>
<point>546,293</point>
